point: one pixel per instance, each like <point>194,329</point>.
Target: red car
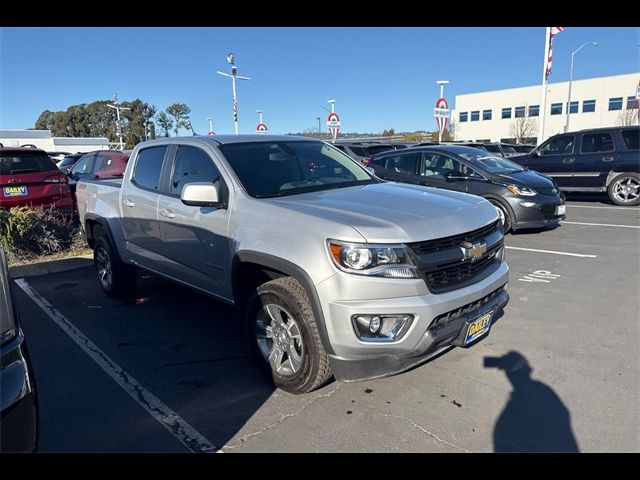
<point>29,177</point>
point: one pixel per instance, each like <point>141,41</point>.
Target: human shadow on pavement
<point>534,419</point>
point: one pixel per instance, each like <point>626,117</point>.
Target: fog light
<point>381,328</point>
<point>528,204</point>
<point>375,325</point>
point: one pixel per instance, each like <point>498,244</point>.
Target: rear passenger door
<point>195,242</point>
<point>628,159</point>
<point>555,158</point>
<point>596,158</point>
<point>139,198</point>
<point>401,167</point>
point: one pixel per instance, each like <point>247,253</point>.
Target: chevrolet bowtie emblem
<point>473,251</point>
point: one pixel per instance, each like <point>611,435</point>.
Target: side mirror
<point>202,194</point>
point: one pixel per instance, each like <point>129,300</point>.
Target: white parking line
<point>628,209</point>
<point>176,425</point>
<point>582,255</point>
<point>601,224</point>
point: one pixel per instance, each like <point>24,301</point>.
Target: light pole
<point>319,129</point>
<point>234,75</point>
<point>566,124</point>
<point>442,83</point>
<point>117,108</point>
<point>210,126</point>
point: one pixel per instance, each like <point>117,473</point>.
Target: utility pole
<point>117,108</point>
<point>234,75</point>
<point>319,129</point>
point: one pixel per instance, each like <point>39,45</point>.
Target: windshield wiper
<point>284,193</point>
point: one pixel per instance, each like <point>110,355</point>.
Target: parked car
<point>66,164</point>
<point>19,423</point>
<point>362,151</point>
<point>520,148</point>
<point>595,160</point>
<point>99,164</point>
<point>337,271</point>
<point>58,156</point>
<point>28,176</point>
<point>523,198</point>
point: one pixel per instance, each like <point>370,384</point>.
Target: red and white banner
<point>441,113</point>
<point>333,124</point>
<point>262,128</point>
<point>553,32</point>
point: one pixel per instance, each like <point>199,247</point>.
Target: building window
<point>556,109</point>
<point>573,107</point>
<point>632,102</point>
<point>487,114</point>
<point>588,106</point>
<point>519,112</point>
<point>463,116</point>
<point>534,110</point>
<point>615,103</point>
<point>475,115</point>
<point>506,112</point>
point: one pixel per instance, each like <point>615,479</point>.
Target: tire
<point>504,215</point>
<point>117,279</point>
<point>624,189</point>
<point>296,361</point>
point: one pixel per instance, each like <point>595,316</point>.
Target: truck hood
<point>393,212</point>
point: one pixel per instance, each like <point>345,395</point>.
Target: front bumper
<point>536,212</point>
<point>19,417</point>
<point>353,359</point>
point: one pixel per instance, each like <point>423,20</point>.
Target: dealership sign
<point>262,128</point>
<point>441,113</point>
<point>333,124</point>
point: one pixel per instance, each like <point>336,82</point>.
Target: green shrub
<point>27,233</point>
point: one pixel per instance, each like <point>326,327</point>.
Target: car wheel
<point>117,279</point>
<point>624,189</point>
<point>503,213</point>
<point>285,338</point>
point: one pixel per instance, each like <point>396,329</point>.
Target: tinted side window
<point>558,146</point>
<point>102,162</point>
<point>149,167</point>
<point>82,166</point>
<point>192,165</point>
<point>434,164</point>
<point>630,138</point>
<point>596,142</point>
<point>361,152</point>
<point>403,163</point>
<point>379,148</point>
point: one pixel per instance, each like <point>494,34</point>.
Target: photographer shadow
<point>535,419</point>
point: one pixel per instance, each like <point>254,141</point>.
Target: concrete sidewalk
<point>46,267</point>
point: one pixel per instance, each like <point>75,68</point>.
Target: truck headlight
<point>390,261</point>
<point>522,191</point>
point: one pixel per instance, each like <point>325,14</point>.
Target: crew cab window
<point>630,138</point>
<point>596,142</point>
<point>404,163</point>
<point>558,146</point>
<point>148,167</point>
<point>192,165</point>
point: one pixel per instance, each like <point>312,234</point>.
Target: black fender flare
<point>93,218</point>
<point>292,270</point>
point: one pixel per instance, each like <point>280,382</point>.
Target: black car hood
<point>528,178</point>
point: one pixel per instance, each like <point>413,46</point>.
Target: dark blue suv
<point>596,160</point>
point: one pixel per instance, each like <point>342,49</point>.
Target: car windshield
<point>490,163</point>
<point>273,169</point>
<point>25,162</point>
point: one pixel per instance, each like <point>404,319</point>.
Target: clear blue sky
<point>381,77</point>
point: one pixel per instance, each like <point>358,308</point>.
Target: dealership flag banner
<point>551,32</point>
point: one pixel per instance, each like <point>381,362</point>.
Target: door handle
<point>128,203</point>
<point>607,159</point>
<point>567,160</point>
<point>167,213</point>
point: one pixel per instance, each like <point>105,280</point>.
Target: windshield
<point>490,163</point>
<point>272,169</point>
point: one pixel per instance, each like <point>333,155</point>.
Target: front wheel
<point>503,214</point>
<point>285,338</point>
<point>624,189</point>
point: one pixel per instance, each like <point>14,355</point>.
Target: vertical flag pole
<point>543,100</point>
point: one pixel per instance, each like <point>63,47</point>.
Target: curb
<point>50,266</point>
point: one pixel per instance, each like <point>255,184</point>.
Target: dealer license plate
<point>478,328</point>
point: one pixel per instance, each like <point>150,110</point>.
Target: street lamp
<point>566,125</point>
<point>210,126</point>
<point>234,75</point>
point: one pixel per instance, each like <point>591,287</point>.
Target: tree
<point>446,136</point>
<point>180,113</point>
<point>523,128</point>
<point>45,120</point>
<point>165,123</point>
<point>628,117</point>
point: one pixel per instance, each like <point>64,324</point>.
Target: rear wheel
<point>503,214</point>
<point>285,337</point>
<point>624,189</point>
<point>116,278</point>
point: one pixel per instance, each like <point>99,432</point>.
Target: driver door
<point>555,158</point>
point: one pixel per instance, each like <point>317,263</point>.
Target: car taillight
<point>365,161</point>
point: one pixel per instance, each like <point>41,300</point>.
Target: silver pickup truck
<point>337,272</point>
